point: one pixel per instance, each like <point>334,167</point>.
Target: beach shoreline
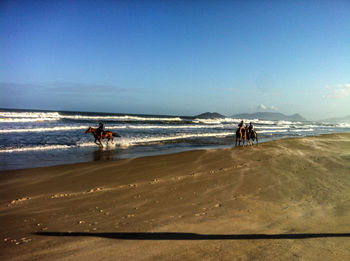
<point>47,138</point>
<point>282,200</point>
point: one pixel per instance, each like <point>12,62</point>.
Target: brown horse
<point>251,136</point>
<point>241,136</point>
<point>104,135</point>
<point>254,137</point>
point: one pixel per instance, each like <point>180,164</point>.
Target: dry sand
<point>283,200</point>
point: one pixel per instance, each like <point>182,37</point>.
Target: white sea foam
<point>343,125</point>
<point>70,128</point>
<point>63,128</point>
<point>271,131</point>
<point>120,118</point>
<point>123,142</point>
<point>166,126</point>
<point>28,119</point>
<point>261,122</point>
<point>36,148</point>
<point>272,127</point>
<point>301,130</point>
<point>41,116</point>
<point>288,122</point>
<point>207,121</point>
<point>216,120</point>
<point>29,114</point>
<point>132,141</point>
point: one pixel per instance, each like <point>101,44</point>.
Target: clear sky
<point>177,57</point>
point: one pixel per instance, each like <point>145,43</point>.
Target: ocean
<point>31,138</point>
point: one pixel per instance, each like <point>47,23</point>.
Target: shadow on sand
<point>189,236</point>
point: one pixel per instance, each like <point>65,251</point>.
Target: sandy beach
<point>282,200</point>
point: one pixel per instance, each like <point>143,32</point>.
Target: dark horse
<point>241,136</point>
<point>104,135</point>
<point>252,136</point>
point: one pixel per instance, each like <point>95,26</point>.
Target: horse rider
<point>100,129</point>
<point>251,126</point>
<point>241,126</point>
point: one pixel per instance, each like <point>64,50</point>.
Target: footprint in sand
<point>129,185</point>
<point>61,195</point>
<point>194,174</point>
<point>178,178</point>
<point>18,241</point>
<point>18,200</point>
<point>94,190</point>
<point>155,181</point>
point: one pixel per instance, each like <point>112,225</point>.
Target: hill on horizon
<point>270,116</point>
<point>338,119</point>
<point>210,115</point>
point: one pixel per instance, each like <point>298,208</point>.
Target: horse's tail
<point>115,134</point>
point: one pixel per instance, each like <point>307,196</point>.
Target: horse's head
<point>88,130</point>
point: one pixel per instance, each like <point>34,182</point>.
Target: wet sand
<point>281,200</point>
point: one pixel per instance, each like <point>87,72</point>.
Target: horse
<point>104,135</point>
<point>253,136</point>
<point>241,136</point>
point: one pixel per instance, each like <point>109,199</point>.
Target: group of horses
<point>243,135</point>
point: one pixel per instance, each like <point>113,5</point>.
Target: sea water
<point>44,138</point>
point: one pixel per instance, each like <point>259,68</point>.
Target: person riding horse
<point>241,127</point>
<point>100,134</point>
<point>251,126</point>
<point>252,135</point>
<point>100,129</point>
<point>240,133</point>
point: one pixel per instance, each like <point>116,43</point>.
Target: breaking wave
<point>123,142</point>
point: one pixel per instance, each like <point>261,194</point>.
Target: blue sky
<point>177,57</point>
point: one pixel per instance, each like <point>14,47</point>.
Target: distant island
<point>269,116</point>
<point>337,120</point>
<point>210,115</point>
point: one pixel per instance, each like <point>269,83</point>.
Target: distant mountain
<point>210,115</point>
<point>270,116</point>
<point>337,120</point>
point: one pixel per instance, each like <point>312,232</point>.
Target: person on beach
<point>100,129</point>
